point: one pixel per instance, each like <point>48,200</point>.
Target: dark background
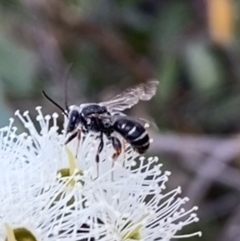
<point>191,46</point>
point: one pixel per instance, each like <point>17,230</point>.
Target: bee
<point>106,118</point>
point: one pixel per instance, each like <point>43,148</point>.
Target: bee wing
<point>131,96</point>
<point>148,123</point>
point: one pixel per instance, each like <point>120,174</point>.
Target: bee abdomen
<point>133,132</point>
<point>141,144</point>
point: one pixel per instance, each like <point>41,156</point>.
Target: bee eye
<point>73,121</point>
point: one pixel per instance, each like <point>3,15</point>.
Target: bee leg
<point>78,142</point>
<point>118,149</point>
<point>124,143</point>
<point>70,138</point>
<point>99,150</point>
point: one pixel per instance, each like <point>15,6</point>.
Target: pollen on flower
<point>146,125</point>
<point>141,158</point>
<point>26,113</point>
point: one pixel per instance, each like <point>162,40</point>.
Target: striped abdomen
<point>133,132</point>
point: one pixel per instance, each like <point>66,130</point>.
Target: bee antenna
<point>66,87</point>
<point>55,103</point>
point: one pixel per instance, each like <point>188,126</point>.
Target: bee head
<point>74,119</point>
<point>106,122</point>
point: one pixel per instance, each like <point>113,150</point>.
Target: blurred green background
<point>191,46</point>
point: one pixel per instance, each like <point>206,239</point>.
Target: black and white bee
<point>106,118</point>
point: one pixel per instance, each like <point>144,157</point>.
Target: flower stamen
<point>10,233</point>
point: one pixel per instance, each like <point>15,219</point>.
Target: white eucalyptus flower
<point>47,191</point>
<point>139,209</point>
<point>33,207</point>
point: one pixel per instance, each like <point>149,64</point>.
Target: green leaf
<point>205,72</point>
<point>167,75</point>
<point>172,22</point>
<point>16,67</point>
